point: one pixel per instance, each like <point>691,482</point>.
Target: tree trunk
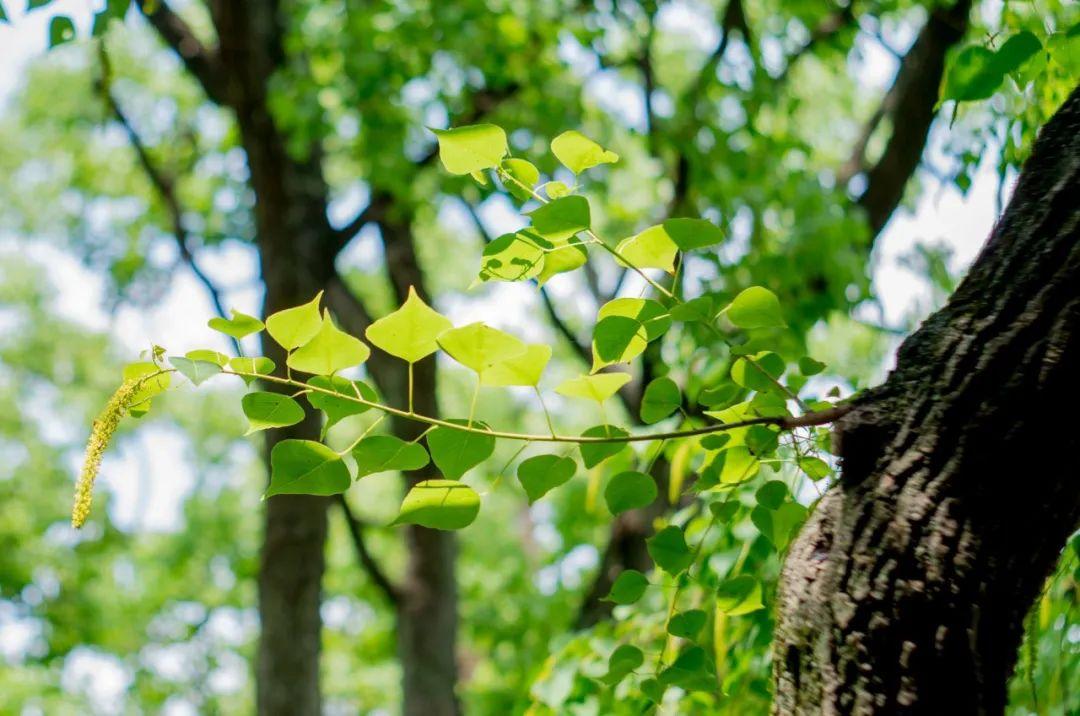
<point>297,261</point>
<point>906,590</point>
<point>427,608</point>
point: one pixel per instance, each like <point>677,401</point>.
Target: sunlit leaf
<point>464,150</point>
<point>560,219</point>
<point>524,369</point>
<point>410,332</point>
<point>577,152</point>
<point>755,307</point>
<point>479,346</point>
<point>305,467</point>
<point>652,248</point>
<point>440,505</point>
<point>239,326</point>
<point>567,256</point>
<point>779,525</point>
<point>759,371</point>
<point>202,354</point>
<point>293,327</point>
<point>597,387</point>
<point>524,173</point>
<point>625,326</point>
<point>329,351</point>
<point>512,257</point>
<point>150,387</point>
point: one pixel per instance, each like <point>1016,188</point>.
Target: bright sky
<point>942,215</point>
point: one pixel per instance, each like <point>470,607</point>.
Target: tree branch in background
<point>201,61</point>
<point>166,189</point>
<point>910,106</point>
<point>828,28</point>
<point>367,561</point>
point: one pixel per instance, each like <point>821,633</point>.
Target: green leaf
<point>814,467</point>
<point>440,505</point>
<point>270,410</point>
<point>381,453</point>
<point>1015,51</point>
<point>971,75</point>
<point>719,395</point>
<point>779,525</point>
<point>293,327</point>
<point>196,371</point>
<point>337,409</point>
<point>628,587</point>
<point>556,189</point>
<point>731,466</point>
<point>768,365</point>
<point>541,474</point>
<point>305,467</point>
<point>238,326</point>
<point>577,152</point>
<point>755,307</point>
<point>151,387</point>
<point>61,30</point>
<point>464,150</point>
<point>772,494</point>
<point>329,351</point>
<point>255,366</point>
<point>512,257</point>
<point>525,173</point>
<point>622,663</point>
<point>479,346</point>
<point>410,332</point>
<point>625,327</point>
<point>560,219</point>
<point>628,491</point>
<point>669,551</point>
<point>566,256</point>
<point>808,366</point>
<point>455,452</point>
<point>524,369</point>
<point>687,624</point>
<point>691,234</point>
<point>202,354</point>
<point>592,454</point>
<point>696,309</point>
<point>691,671</point>
<point>652,248</point>
<point>739,595</point>
<point>724,511</point>
<point>597,387</point>
<point>661,399</point>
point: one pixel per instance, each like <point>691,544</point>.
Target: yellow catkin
<point>102,432</point>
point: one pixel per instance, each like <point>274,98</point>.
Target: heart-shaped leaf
<point>305,467</point>
<point>474,148</point>
<point>293,327</point>
<point>629,491</point>
<point>381,453</point>
<point>455,452</point>
<point>409,333</point>
<point>440,505</point>
<point>270,410</point>
<point>543,473</point>
<point>238,326</point>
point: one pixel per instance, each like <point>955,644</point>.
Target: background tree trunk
<point>906,590</point>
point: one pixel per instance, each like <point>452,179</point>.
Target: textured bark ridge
<point>906,591</point>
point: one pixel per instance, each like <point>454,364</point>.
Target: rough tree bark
<point>906,590</point>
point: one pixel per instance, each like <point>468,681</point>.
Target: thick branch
<point>202,61</point>
<point>910,106</point>
<point>166,189</point>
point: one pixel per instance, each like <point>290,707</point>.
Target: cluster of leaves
<point>718,443</point>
